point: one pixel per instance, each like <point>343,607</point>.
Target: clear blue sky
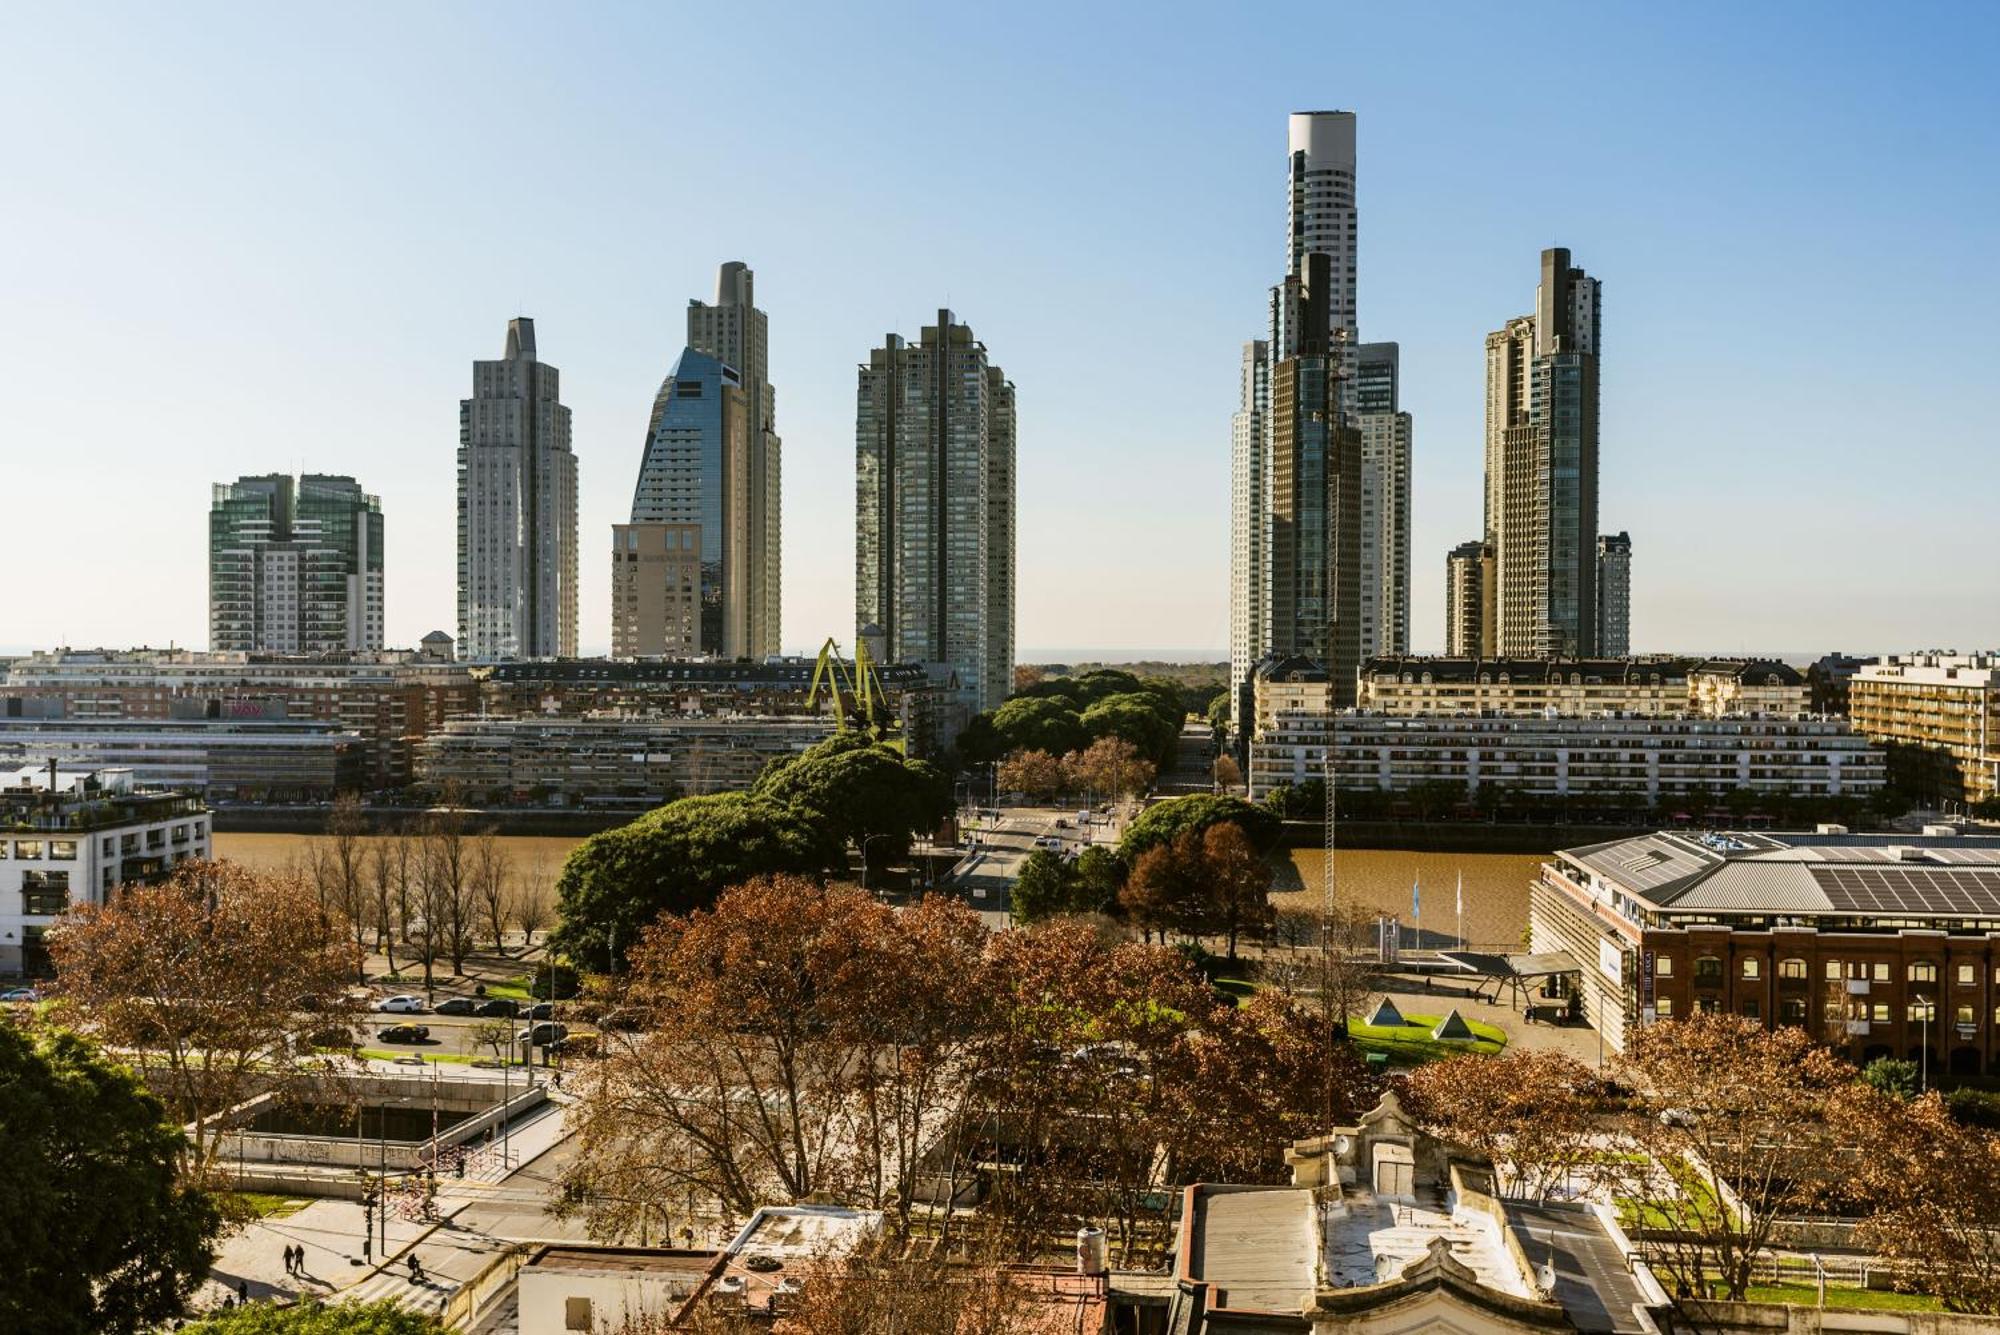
<point>248,238</point>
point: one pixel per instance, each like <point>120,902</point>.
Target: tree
<point>382,880</point>
<point>1536,1115</point>
<point>344,875</point>
<point>1228,774</point>
<point>1043,889</point>
<point>1892,1076</point>
<point>1163,821</point>
<point>814,1034</point>
<point>445,878</point>
<point>1166,890</point>
<point>492,887</point>
<point>207,971</point>
<point>1026,675</point>
<point>675,860</point>
<point>1099,876</point>
<point>384,1317</point>
<point>1037,774</point>
<point>530,904</point>
<point>102,1234</point>
<point>1145,719</point>
<point>852,789</point>
<point>1733,1134</point>
<point>1928,1183</point>
<point>1039,723</point>
<point>1111,766</point>
<point>1237,880</point>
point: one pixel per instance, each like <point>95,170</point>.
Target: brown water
<point>533,857</point>
<point>1496,890</point>
<point>1496,884</point>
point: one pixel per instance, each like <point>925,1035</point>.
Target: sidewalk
<point>330,1232</point>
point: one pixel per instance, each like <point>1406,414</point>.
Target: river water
<point>1496,884</point>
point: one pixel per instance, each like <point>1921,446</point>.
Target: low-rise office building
<point>72,837</point>
<point>1878,944</point>
<point>608,761</point>
<point>389,699</point>
<point>224,758</point>
<point>1657,758</point>
<point>1940,715</point>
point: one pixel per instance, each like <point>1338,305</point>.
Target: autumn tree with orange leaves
<point>216,976</point>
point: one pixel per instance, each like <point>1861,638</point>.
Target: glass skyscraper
<point>294,567</point>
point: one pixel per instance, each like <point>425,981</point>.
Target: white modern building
<point>72,837</point>
<point>1248,632</point>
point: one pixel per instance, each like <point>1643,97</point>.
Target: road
<point>985,877</point>
<point>451,1035</point>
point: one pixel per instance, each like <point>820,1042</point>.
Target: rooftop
<point>1942,876</point>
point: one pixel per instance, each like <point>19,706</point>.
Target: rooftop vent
<point>1940,831</point>
<point>1829,827</point>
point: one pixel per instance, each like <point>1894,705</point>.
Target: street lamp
<point>866,840</point>
<point>1925,1007</point>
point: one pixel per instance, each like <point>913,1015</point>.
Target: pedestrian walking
<point>243,1292</point>
<point>290,1264</point>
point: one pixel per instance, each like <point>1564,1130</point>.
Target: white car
<point>404,1004</point>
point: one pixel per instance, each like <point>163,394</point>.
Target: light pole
<point>1924,1008</point>
<point>866,840</point>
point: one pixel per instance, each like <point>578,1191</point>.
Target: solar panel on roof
<point>1912,891</point>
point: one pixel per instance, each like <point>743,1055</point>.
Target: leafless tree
<point>492,886</point>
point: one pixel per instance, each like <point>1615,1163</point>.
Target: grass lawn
<point>390,1054</point>
<point>514,989</point>
<point>1807,1295</point>
<point>265,1205</point>
<point>1411,1040</point>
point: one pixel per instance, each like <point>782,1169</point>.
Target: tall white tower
<point>1320,212</point>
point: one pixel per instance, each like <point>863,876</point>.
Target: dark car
<point>541,1035</point>
<point>501,1006</point>
<point>405,1033</point>
<point>623,1019</point>
<point>458,1006</point>
<point>541,1010</point>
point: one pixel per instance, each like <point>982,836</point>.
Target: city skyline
<point>1720,202</point>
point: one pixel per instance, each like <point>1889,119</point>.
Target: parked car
<point>504,1007</point>
<point>20,994</point>
<point>541,1010</point>
<point>405,1033</point>
<point>401,1004</point>
<point>541,1035</point>
<point>458,1006</point>
<point>1061,824</point>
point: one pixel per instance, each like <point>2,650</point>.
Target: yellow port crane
<point>856,692</point>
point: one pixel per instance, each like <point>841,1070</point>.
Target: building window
<point>1881,970</point>
<point>1832,971</point>
<point>1923,971</point>
<point>1752,1010</point>
<point>1708,969</point>
<point>44,893</point>
<point>577,1314</point>
<point>1920,1011</point>
<point>1664,1007</point>
<point>1797,969</point>
<point>62,850</point>
<point>1707,1005</point>
<point>28,848</point>
<point>1792,1010</point>
<point>1753,967</point>
<point>1879,1012</point>
<point>1968,975</point>
<point>1965,1017</point>
<point>1663,966</point>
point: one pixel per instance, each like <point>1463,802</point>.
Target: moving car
<point>401,1004</point>
<point>405,1033</point>
<point>541,1010</point>
<point>458,1006</point>
<point>541,1035</point>
<point>504,1007</point>
<point>20,994</point>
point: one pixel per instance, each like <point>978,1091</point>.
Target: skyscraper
<point>1319,449</point>
<point>1314,573</point>
<point>1247,505</point>
<point>1614,594</point>
<point>1541,466</point>
<point>934,497</point>
<point>516,509</point>
<point>696,478</point>
<point>294,568</point>
<point>1468,601</point>
<point>734,330</point>
<point>1384,554</point>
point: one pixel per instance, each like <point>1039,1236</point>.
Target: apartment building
<point>1658,758</point>
<point>72,836</point>
<point>614,760</point>
<point>1939,713</point>
<point>252,755</point>
<point>1712,688</point>
<point>1880,945</point>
